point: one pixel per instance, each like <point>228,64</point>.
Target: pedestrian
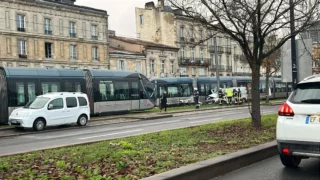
<point>239,96</point>
<point>229,96</point>
<point>196,97</point>
<point>235,95</point>
<point>220,94</point>
<point>164,102</point>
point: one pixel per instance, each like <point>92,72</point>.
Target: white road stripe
<point>194,122</point>
<point>124,132</point>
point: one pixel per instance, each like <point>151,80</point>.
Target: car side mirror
<point>50,106</point>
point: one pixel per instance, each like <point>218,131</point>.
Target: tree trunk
<point>255,96</point>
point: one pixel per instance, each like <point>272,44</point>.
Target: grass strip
<point>139,156</point>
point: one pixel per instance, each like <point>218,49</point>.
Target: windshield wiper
<point>311,101</point>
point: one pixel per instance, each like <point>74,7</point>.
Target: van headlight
<point>27,114</point>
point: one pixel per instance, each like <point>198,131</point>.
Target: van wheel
<point>290,161</point>
<point>39,124</point>
<point>82,120</point>
<point>244,100</point>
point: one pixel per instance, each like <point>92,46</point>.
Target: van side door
<point>72,110</point>
<point>56,112</point>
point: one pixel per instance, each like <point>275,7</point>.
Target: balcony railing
<point>229,68</point>
<point>23,56</point>
<point>219,49</point>
<point>228,50</point>
<point>194,61</point>
<point>21,29</point>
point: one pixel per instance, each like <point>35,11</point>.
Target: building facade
<point>161,24</point>
<point>160,60</point>
<point>51,34</point>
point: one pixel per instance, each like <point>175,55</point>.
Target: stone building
<point>160,60</point>
<point>52,33</point>
<point>161,24</point>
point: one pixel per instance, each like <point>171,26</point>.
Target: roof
<point>213,79</point>
<point>42,72</point>
<point>172,80</point>
<point>144,43</point>
<point>114,50</point>
<point>311,79</point>
<point>96,73</point>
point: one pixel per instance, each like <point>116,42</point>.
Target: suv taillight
<point>285,110</point>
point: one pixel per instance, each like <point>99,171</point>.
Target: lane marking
<point>215,119</point>
<point>124,132</point>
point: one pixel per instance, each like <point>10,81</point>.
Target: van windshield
<point>37,103</point>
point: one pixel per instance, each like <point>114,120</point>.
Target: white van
<point>52,109</point>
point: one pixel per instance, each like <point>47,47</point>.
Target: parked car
<point>213,97</point>
<point>298,126</point>
<point>52,109</point>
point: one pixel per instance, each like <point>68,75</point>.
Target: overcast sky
<point>121,13</point>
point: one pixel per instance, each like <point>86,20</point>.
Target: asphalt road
<point>272,169</point>
<point>63,137</point>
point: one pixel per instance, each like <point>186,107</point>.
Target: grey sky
<point>121,13</point>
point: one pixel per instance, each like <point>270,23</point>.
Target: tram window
<point>173,91</point>
<point>106,90</point>
<point>68,86</point>
<point>161,89</point>
<point>185,90</point>
<point>208,90</point>
<point>134,90</point>
<point>77,87</point>
<point>31,91</point>
<point>122,90</point>
<point>202,90</point>
<point>50,87</point>
<point>20,94</point>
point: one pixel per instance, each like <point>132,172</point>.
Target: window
<point>152,66</point>
<point>134,90</point>
<point>220,63</point>
<point>193,71</point>
<point>171,67</point>
<point>94,32</point>
<point>72,29</point>
<point>21,23</point>
<point>138,66</point>
<point>141,19</point>
<point>182,52</point>
<point>228,61</point>
<point>20,94</point>
<point>72,87</point>
<point>192,54</point>
<point>185,90</point>
<point>121,65</point>
<point>50,87</point>
<point>200,34</point>
<point>183,71</point>
<point>31,91</point>
<point>71,102</point>
<point>173,91</point>
<point>73,52</point>
<point>122,90</point>
<point>106,90</point>
<point>48,49</point>
<point>162,66</point>
<point>95,53</point>
<point>22,49</point>
<point>181,31</point>
<point>201,72</point>
<point>211,58</point>
<point>191,33</point>
<point>201,53</point>
<point>57,104</point>
<point>82,101</point>
<point>47,26</point>
<point>307,93</point>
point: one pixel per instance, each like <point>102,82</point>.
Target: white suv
<point>298,126</point>
<point>52,109</point>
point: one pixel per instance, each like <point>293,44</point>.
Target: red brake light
<point>285,110</point>
<point>286,151</point>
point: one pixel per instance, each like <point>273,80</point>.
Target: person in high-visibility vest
<point>235,95</point>
<point>229,95</point>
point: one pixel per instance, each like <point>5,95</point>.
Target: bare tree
<point>249,23</point>
<point>272,63</point>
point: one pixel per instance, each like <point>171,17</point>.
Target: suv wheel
<point>39,124</point>
<point>82,120</point>
<point>290,161</point>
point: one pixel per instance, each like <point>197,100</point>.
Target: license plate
<point>313,120</point>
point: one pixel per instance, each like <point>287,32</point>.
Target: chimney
<point>150,5</point>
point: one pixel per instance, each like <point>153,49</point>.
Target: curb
<point>221,165</point>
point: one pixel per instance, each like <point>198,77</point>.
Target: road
<point>63,137</point>
<point>272,169</point>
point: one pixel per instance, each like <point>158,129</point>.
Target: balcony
<point>73,35</point>
<point>48,32</point>
<point>181,38</point>
<point>21,29</point>
<point>94,37</point>
<point>229,68</point>
<point>228,50</point>
<point>23,56</point>
<point>187,61</point>
<point>191,39</point>
<point>219,49</point>
<point>212,67</point>
<point>221,68</point>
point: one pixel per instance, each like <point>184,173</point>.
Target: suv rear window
<point>82,101</point>
<point>307,93</point>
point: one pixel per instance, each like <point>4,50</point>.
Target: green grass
<point>139,156</point>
